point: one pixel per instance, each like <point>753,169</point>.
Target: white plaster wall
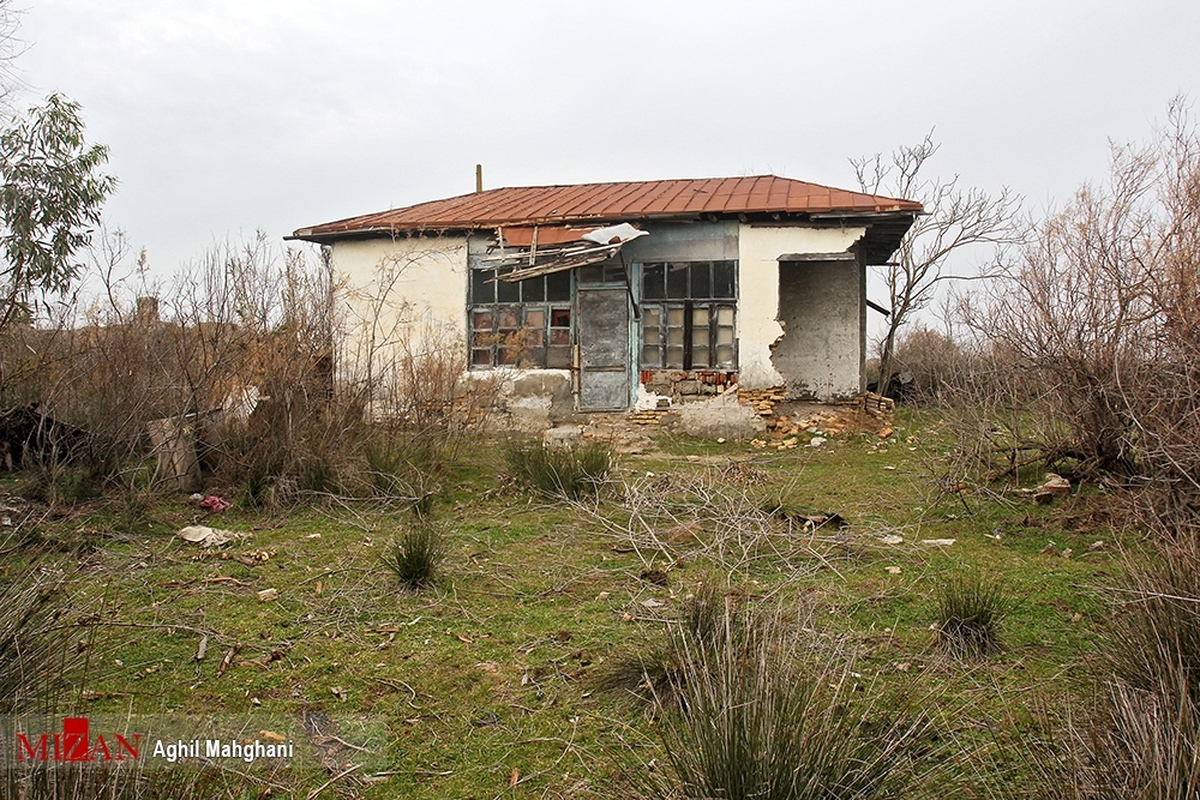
<point>759,249</point>
<point>406,295</point>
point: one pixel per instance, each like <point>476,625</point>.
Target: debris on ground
<point>655,576</point>
<point>1052,550</point>
<point>209,537</point>
<point>939,542</point>
<point>812,521</point>
<point>214,503</point>
<point>1053,487</point>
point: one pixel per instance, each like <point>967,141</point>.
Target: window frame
<point>672,286</point>
<point>512,338</point>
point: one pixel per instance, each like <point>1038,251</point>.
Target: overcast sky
<point>227,116</point>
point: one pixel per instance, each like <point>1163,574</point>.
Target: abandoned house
<point>611,296</point>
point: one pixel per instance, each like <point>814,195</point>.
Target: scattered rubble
<point>208,537</point>
<point>1053,487</point>
<point>773,411</point>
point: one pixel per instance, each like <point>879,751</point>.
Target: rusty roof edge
<point>347,227</point>
<point>314,234</point>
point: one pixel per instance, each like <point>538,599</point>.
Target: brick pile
<point>763,400</point>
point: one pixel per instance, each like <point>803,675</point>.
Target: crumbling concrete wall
<point>814,344</point>
<point>524,400</point>
<point>722,416</point>
<point>399,296</point>
<point>822,352</point>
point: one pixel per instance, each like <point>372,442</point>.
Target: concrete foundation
<point>720,416</point>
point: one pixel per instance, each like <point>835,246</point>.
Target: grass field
<point>491,683</point>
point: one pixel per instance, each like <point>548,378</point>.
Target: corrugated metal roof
<point>605,202</point>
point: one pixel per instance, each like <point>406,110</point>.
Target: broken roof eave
<point>314,234</point>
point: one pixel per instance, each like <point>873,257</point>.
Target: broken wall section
<point>821,354</point>
<point>769,313</point>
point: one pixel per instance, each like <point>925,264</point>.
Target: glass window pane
<point>533,337</point>
<point>700,357</point>
<point>651,356</point>
<point>558,286</point>
<point>725,355</point>
<point>560,336</point>
<point>699,338</point>
<point>700,316</point>
<point>675,317</point>
<point>507,292</point>
<point>535,318</point>
<point>652,335</point>
<point>484,339</point>
<point>593,273</point>
<point>482,289</point>
<point>674,357</point>
<point>724,335</point>
<point>675,336</point>
<point>509,319</point>
<point>651,316</point>
<point>725,315</point>
<point>701,280</point>
<point>533,290</point>
<point>481,358</point>
<point>723,272</point>
<point>677,279</point>
<point>481,320</point>
<point>560,318</point>
<point>652,282</point>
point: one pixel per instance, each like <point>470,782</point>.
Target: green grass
<point>495,667</point>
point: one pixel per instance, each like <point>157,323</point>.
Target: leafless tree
<point>955,220</point>
<point>1092,329</point>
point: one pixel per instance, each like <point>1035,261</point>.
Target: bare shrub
<point>925,365</point>
<point>706,515</point>
<point>1091,341</point>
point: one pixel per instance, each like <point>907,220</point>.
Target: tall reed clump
<point>570,472</point>
<point>1144,741</point>
<point>416,557</point>
<point>653,673</point>
<point>30,654</point>
<point>762,715</point>
<point>971,611</point>
<point>1141,738</point>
